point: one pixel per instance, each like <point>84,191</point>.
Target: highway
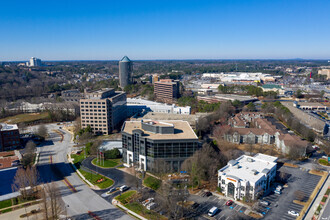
<point>77,196</point>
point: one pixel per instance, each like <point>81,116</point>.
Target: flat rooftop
<point>182,130</point>
<point>249,168</point>
<point>310,104</point>
<point>8,127</point>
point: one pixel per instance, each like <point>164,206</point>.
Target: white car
<point>106,194</point>
<point>123,188</point>
<point>147,201</point>
<point>291,212</point>
<point>263,202</point>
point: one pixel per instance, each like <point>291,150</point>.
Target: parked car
<point>147,201</point>
<point>213,211</point>
<point>263,202</point>
<point>151,205</point>
<point>195,205</point>
<point>277,192</point>
<point>123,188</point>
<point>291,212</point>
<point>106,194</point>
<point>229,202</point>
<point>207,194</point>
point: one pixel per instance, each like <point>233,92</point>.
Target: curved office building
<point>125,72</point>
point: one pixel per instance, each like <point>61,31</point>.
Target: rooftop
<point>249,168</point>
<point>125,59</point>
<point>8,127</point>
<point>182,129</point>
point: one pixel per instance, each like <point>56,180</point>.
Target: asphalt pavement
<point>84,200</point>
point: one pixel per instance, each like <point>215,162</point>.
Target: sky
<point>164,29</point>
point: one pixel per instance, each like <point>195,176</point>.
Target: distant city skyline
<point>165,30</point>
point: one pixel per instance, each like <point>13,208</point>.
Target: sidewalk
<point>17,213</point>
<point>317,201</point>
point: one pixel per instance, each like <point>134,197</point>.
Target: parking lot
<point>281,204</point>
<point>234,211</point>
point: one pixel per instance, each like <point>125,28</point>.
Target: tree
<point>112,154</point>
<point>25,178</point>
<point>52,204</point>
<point>42,131</point>
<point>299,94</point>
<point>250,107</point>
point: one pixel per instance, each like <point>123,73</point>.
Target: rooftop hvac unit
<point>250,159</point>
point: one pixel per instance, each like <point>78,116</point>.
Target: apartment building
<point>147,142</point>
<point>166,90</point>
<point>103,110</point>
<point>247,178</point>
<point>9,137</point>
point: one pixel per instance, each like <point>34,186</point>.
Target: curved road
<point>79,203</point>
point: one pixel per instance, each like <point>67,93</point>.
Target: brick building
<point>9,137</point>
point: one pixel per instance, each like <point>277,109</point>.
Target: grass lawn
<point>141,210</point>
<point>125,197</point>
<point>107,163</point>
<point>5,204</point>
<point>93,178</point>
<point>324,162</point>
<point>152,182</point>
<point>78,158</point>
<point>26,118</point>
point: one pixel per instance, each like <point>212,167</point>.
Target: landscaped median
<point>90,177</point>
<point>129,200</point>
<point>109,163</point>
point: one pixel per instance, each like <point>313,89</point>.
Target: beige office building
<point>166,90</point>
<point>103,110</point>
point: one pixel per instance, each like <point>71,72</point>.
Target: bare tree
<point>26,181</point>
<point>42,131</point>
<point>30,147</point>
<point>52,204</point>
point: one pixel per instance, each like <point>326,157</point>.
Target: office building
<point>147,142</point>
<point>166,90</point>
<point>247,178</point>
<point>34,62</point>
<point>9,137</point>
<point>141,106</point>
<point>103,110</point>
<point>125,72</point>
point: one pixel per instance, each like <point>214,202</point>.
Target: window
<point>223,182</point>
<point>242,188</point>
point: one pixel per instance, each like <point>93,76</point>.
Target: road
<point>79,203</point>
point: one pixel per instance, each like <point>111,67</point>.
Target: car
<point>195,205</point>
<point>147,201</point>
<point>108,193</point>
<point>229,202</point>
<point>123,188</point>
<point>277,192</point>
<point>207,194</point>
<point>212,211</point>
<point>263,202</point>
<point>291,212</point>
<point>151,205</point>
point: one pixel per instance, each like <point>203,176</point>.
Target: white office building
<point>34,62</point>
<point>139,105</point>
<point>247,177</point>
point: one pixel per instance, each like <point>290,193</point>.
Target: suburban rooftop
<point>249,168</point>
<point>182,129</point>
